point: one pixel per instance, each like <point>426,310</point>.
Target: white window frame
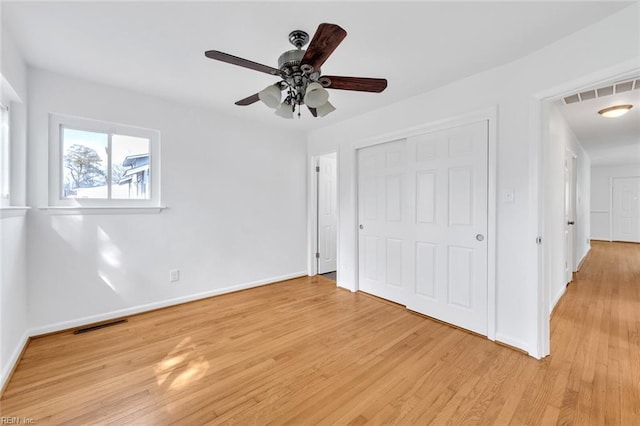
<point>56,172</point>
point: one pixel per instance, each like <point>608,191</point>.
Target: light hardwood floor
<point>304,352</point>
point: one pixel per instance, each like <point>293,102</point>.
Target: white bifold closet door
<point>422,208</point>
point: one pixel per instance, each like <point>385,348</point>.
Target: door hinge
<point>317,169</point>
<point>317,255</point>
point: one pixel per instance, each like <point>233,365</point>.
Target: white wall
<point>13,230</point>
<point>562,141</point>
<point>601,196</point>
<point>236,214</point>
<point>512,88</point>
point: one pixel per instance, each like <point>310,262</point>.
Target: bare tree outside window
<point>84,167</point>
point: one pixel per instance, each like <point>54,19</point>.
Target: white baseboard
<point>557,297</point>
<point>584,256</point>
<point>350,288</point>
<point>13,359</point>
<point>65,325</point>
<point>563,288</point>
<point>519,344</point>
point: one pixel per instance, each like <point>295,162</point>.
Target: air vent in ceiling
<point>624,87</point>
<point>572,99</point>
<point>605,91</point>
<point>621,87</point>
<point>589,94</point>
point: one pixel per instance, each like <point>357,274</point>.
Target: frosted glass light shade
<point>270,96</point>
<point>284,111</point>
<point>315,95</point>
<point>325,109</point>
<point>615,111</point>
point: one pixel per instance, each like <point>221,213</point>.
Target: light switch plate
<point>508,195</point>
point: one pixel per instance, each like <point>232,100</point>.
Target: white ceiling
<point>158,47</point>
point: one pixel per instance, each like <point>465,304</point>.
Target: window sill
<point>13,211</point>
<point>83,210</point>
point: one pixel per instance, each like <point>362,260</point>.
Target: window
<point>104,165</point>
<point>99,164</point>
<point>4,156</point>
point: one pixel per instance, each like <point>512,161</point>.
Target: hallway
<point>594,367</point>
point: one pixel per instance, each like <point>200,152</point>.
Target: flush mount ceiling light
<point>615,111</point>
<point>301,78</point>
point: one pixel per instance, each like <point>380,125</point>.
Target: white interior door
<point>569,217</point>
<point>327,213</point>
<point>384,216</point>
<point>423,208</point>
<point>626,209</point>
<point>450,255</point>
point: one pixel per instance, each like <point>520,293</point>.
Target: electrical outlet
<point>174,275</point>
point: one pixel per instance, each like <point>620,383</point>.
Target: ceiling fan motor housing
<point>295,75</point>
<point>290,59</point>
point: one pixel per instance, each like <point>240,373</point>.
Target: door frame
<point>312,225</point>
<point>490,115</point>
<point>571,156</point>
<point>540,104</point>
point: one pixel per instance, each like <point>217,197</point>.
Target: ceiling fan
<point>301,76</point>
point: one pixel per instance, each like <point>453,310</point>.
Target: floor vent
<point>99,326</point>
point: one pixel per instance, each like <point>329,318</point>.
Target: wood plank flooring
<point>304,352</point>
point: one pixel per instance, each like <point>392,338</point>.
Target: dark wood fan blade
<point>248,101</point>
<point>313,111</point>
<point>360,84</point>
<point>234,60</point>
<point>323,43</point>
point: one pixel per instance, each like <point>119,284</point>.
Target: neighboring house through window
<point>136,176</point>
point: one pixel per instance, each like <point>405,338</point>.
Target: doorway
<point>566,242</point>
<point>326,230</point>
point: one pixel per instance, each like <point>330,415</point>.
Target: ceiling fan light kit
<point>315,95</point>
<point>270,96</point>
<point>325,109</point>
<point>615,111</point>
<point>300,74</point>
<point>284,111</point>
